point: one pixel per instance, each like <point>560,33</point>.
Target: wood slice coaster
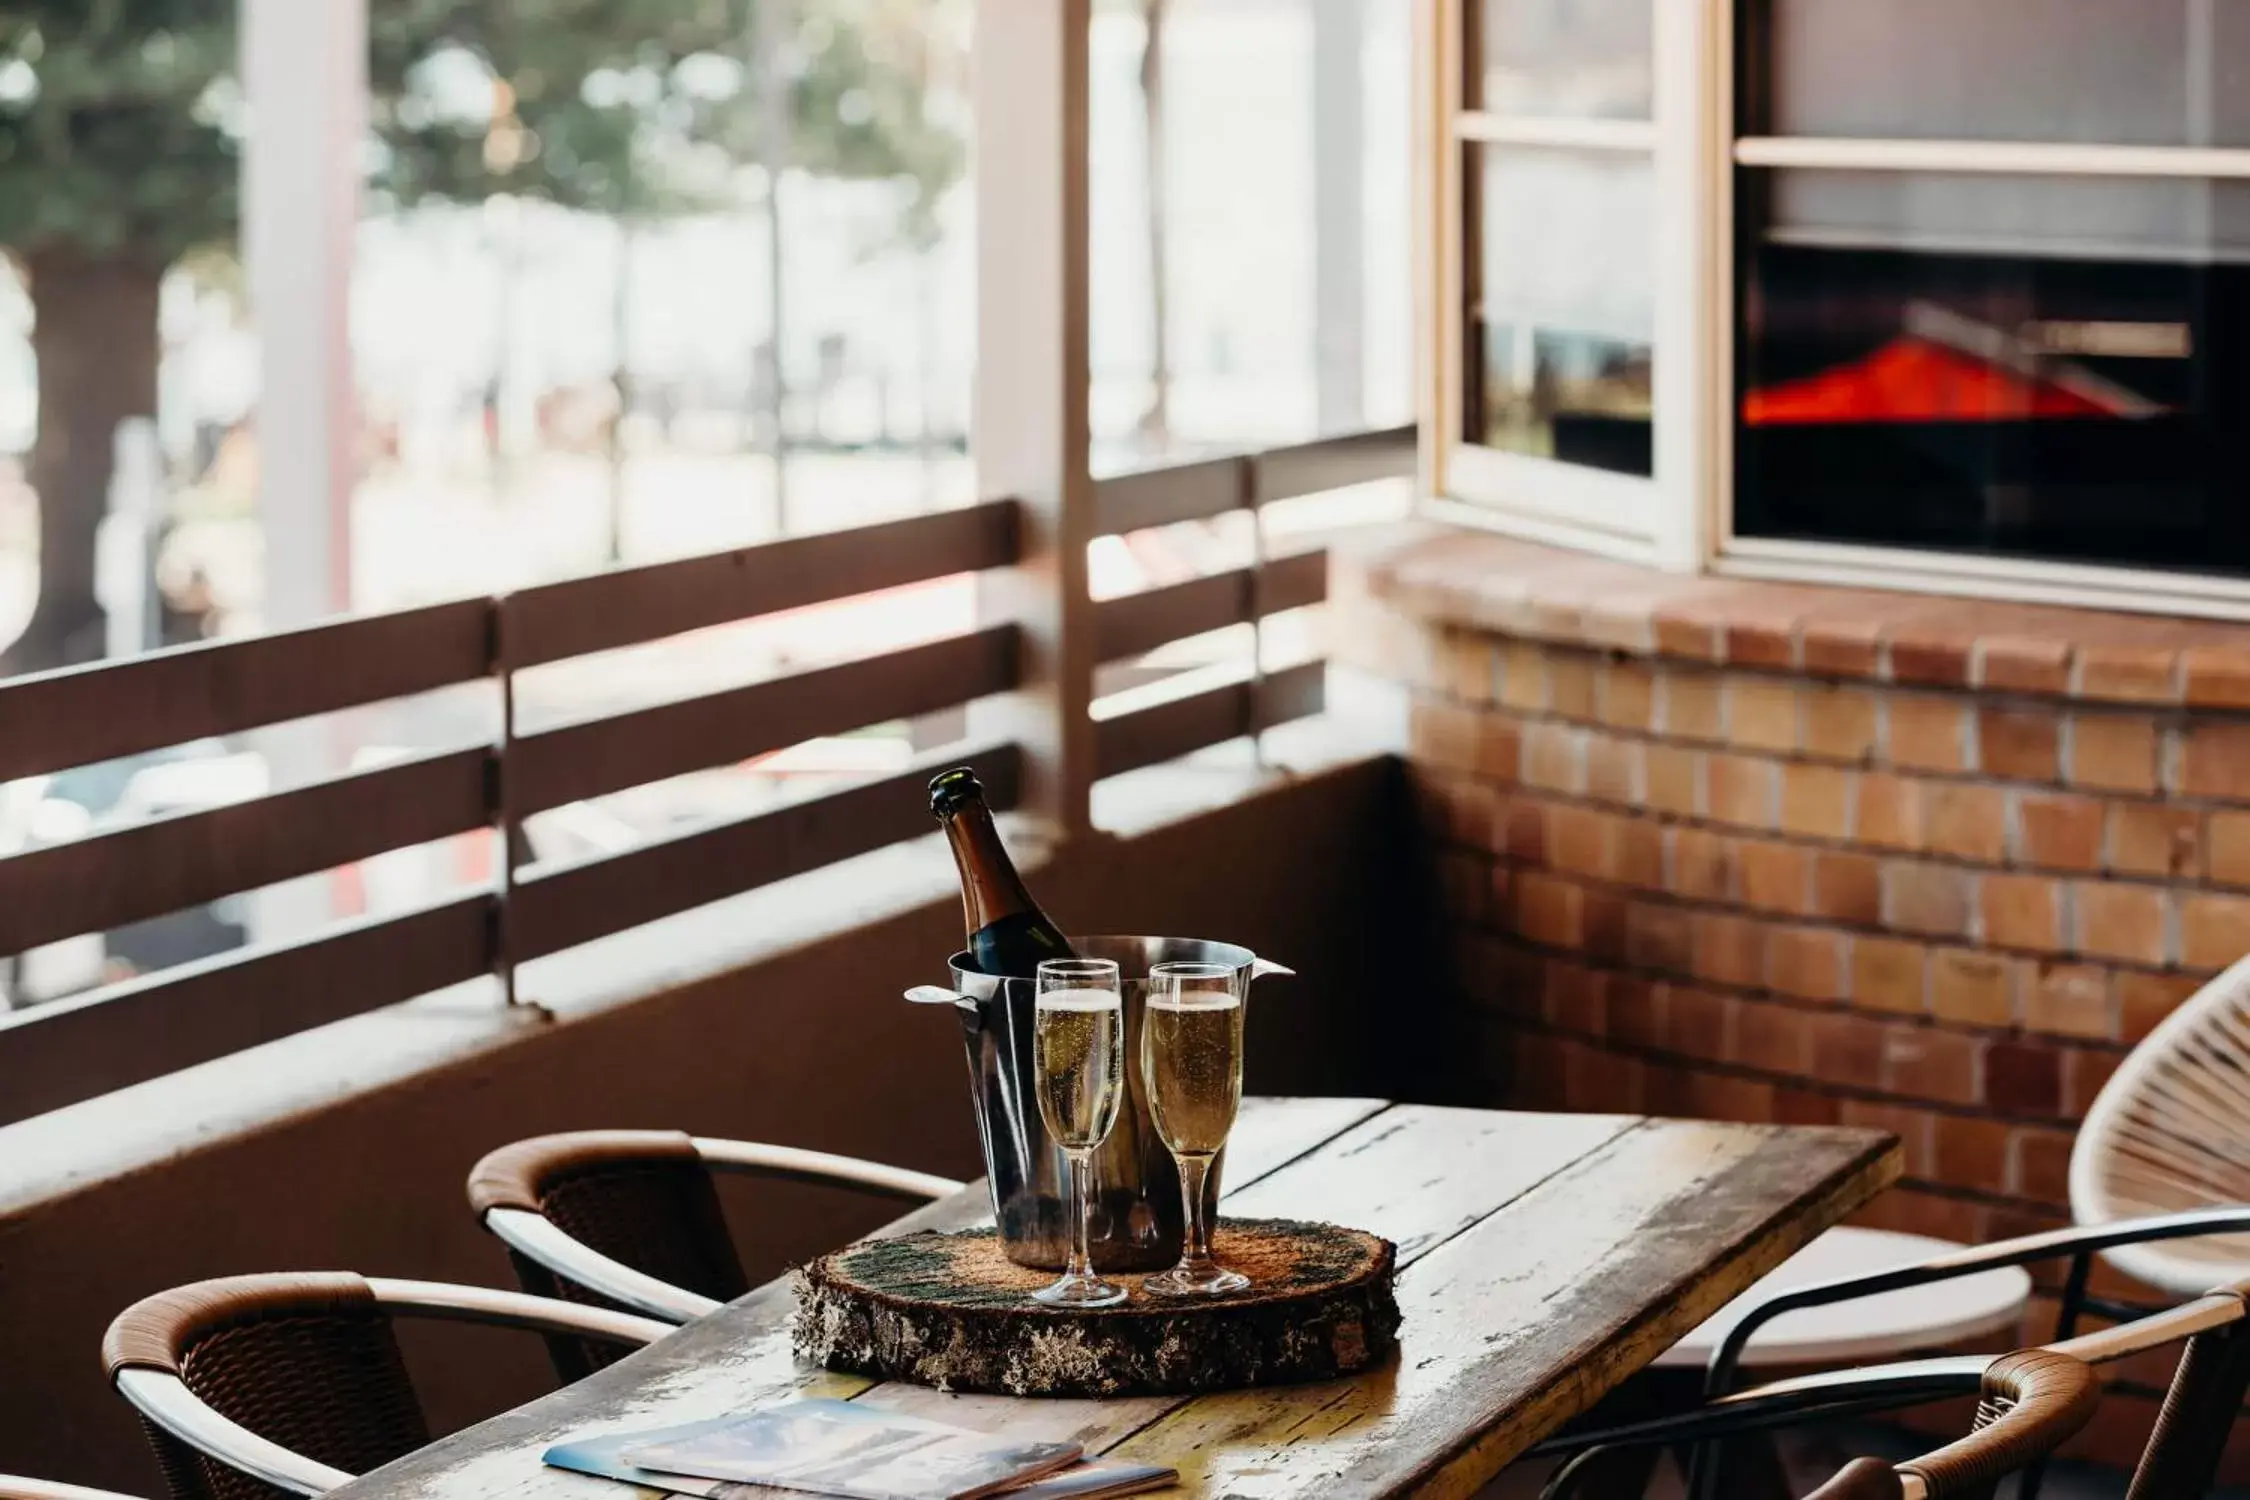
<point>951,1311</point>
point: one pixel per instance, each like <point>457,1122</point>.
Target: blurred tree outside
<point>121,129</point>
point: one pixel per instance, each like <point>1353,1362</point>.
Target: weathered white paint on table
<point>1543,1259</point>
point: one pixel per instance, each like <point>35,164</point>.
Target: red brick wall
<point>1764,853</point>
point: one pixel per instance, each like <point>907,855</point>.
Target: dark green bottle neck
<point>991,890</point>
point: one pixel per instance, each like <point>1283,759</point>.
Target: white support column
<point>304,70</point>
<point>1339,211</point>
<point>304,67</point>
<point>1029,430</point>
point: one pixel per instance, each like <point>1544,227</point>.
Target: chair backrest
<point>307,1361</point>
<point>641,1197</point>
<point>2033,1401</point>
<point>2171,1131</point>
<point>14,1487</point>
<point>2200,1407</point>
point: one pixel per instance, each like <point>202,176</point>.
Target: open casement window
<point>1896,292</point>
<point>1561,218</point>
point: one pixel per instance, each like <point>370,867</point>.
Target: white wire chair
<point>2170,1132</point>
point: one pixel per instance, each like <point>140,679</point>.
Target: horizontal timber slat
<point>633,605</point>
<point>551,911</point>
<point>1180,726</point>
<point>1163,497</point>
<point>609,754</point>
<point>107,880</point>
<point>1333,463</point>
<point>1134,623</point>
<point>1210,487</point>
<point>76,1049</point>
<point>81,715</point>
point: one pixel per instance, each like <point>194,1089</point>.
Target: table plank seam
<point>1407,1261</point>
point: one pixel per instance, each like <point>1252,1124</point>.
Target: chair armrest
<point>13,1487</point>
<point>1782,1402</point>
<point>476,1304</point>
<point>536,1237</point>
<point>824,1167</point>
<point>2024,1249</point>
<point>167,1403</point>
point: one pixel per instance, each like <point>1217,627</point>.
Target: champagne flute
<point>1078,1047</point>
<point>1191,1060</point>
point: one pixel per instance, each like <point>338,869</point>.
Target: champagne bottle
<point>1008,933</point>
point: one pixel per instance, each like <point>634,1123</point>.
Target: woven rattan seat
<point>252,1387</point>
<point>630,1219</point>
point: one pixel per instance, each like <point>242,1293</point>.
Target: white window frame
<point>1656,519</point>
<point>1682,519</point>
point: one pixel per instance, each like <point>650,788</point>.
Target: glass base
<point>1080,1291</point>
<point>1208,1280</point>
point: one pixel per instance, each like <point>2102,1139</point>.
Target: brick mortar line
<point>1804,1084</point>
<point>2015,1032</point>
<point>1752,832</point>
<point>1813,923</point>
<point>1879,764</point>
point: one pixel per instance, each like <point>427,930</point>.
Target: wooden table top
<point>1543,1258</point>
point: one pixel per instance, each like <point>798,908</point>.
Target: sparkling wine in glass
<point>1078,1053</point>
<point>1191,1060</point>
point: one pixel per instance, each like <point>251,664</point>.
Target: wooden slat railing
<point>631,605</point>
<point>1202,716</point>
<point>60,1053</point>
<point>558,909</point>
<point>1192,715</point>
<point>1211,487</point>
<point>82,715</point>
<point>76,1049</point>
<point>1133,624</point>
<point>599,756</point>
<point>105,881</point>
<point>56,1054</point>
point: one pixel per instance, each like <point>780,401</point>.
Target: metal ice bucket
<point>1137,1212</point>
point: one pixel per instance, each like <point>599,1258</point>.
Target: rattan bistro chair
<point>2031,1402</point>
<point>252,1387</point>
<point>2079,1246</point>
<point>2180,1461</point>
<point>631,1218</point>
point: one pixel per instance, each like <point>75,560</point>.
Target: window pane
<point>2053,368</point>
<point>2129,72</point>
<point>1568,57</point>
<point>1251,255</point>
<point>1561,316</point>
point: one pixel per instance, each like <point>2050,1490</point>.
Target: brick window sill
<point>1483,582</point>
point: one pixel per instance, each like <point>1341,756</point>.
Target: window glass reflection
<point>2124,72</point>
<point>2055,368</point>
<point>1582,58</point>
<point>1561,315</point>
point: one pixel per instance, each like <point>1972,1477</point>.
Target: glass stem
<point>1194,1172</point>
<point>1082,1217</point>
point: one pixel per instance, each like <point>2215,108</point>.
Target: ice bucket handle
<point>933,994</point>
